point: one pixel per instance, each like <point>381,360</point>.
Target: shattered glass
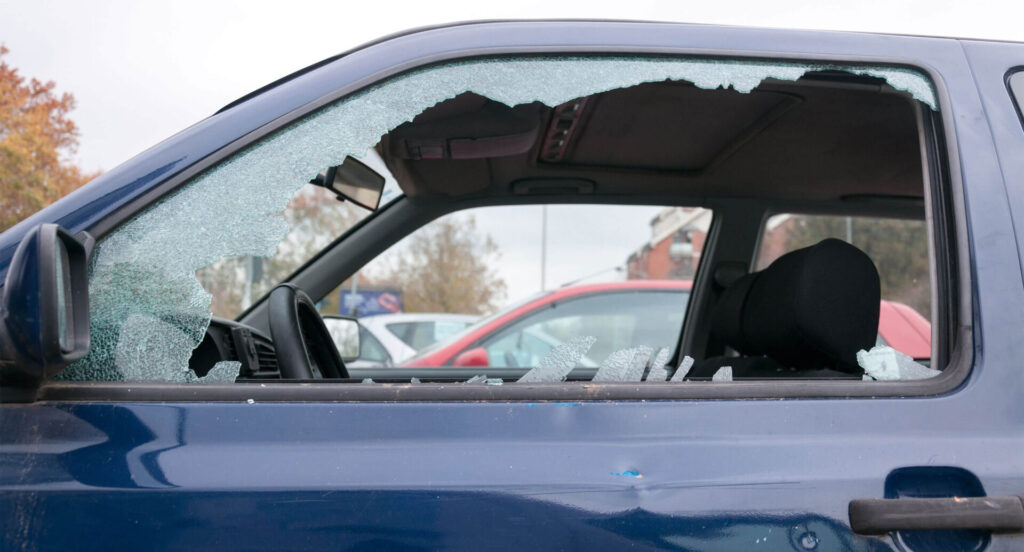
<point>225,371</point>
<point>624,365</point>
<point>148,308</point>
<point>658,372</point>
<point>556,365</point>
<point>723,374</point>
<point>635,372</point>
<point>883,363</point>
<point>684,368</point>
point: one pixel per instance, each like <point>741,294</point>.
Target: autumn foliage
<point>36,139</point>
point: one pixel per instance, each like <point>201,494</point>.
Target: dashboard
<point>228,340</point>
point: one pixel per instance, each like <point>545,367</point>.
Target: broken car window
<point>157,280</point>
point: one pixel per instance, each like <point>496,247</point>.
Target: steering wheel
<point>302,343</point>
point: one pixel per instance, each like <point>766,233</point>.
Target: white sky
<point>584,242</point>
<point>142,71</point>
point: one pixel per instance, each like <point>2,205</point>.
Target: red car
<point>619,314</point>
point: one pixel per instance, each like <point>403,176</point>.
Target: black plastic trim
<point>1016,90</point>
<point>877,516</point>
<point>326,391</point>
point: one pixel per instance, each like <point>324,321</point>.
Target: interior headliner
<point>829,137</point>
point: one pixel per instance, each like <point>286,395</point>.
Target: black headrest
<point>812,308</point>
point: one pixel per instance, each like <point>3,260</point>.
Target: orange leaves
<point>36,139</point>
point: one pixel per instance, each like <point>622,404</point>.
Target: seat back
<point>809,312</point>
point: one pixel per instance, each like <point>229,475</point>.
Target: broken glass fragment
<point>615,366</point>
<point>414,380</point>
<point>723,374</point>
<point>684,368</point>
<point>635,372</point>
<point>884,363</point>
<point>658,373</point>
<point>494,381</point>
<point>556,365</point>
<point>148,309</point>
<point>621,365</point>
<point>368,380</point>
<point>225,371</point>
<point>477,379</point>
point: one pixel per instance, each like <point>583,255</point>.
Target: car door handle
<point>875,516</point>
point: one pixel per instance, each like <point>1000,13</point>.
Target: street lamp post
<point>543,246</point>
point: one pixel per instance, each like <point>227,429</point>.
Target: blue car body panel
<point>678,475</point>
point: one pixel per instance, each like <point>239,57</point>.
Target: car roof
<point>626,285</point>
<point>381,319</point>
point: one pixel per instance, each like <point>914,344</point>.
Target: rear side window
<point>899,249</point>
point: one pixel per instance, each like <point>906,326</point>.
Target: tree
<point>315,218</point>
<point>445,267</point>
<point>36,140</point>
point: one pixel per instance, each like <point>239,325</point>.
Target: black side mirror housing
<point>44,310</point>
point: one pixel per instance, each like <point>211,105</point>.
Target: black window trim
<point>1016,90</point>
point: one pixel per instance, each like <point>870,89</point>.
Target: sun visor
<point>467,127</point>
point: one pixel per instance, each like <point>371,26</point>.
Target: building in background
<point>677,239</point>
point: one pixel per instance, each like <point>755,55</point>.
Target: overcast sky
<point>144,70</point>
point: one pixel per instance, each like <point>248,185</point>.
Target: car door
<point>744,465</point>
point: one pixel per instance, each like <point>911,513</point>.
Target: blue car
<point>171,377</point>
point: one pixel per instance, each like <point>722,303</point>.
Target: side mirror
<point>345,333</point>
<point>44,310</point>
<point>472,357</point>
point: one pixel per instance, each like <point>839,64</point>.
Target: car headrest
<point>812,308</point>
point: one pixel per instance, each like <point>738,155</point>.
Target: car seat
<point>805,315</point>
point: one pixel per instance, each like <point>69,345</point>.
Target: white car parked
<point>394,338</point>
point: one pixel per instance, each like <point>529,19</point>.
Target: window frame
<point>1015,87</point>
<point>945,209</point>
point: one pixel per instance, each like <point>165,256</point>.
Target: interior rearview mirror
<point>44,310</point>
<point>345,333</point>
<point>355,181</point>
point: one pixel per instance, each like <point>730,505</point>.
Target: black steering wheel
<point>302,343</point>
